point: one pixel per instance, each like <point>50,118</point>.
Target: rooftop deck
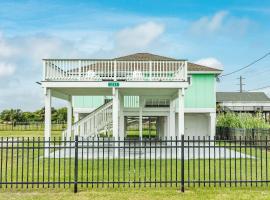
<point>113,70</point>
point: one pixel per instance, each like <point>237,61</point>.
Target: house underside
<point>137,95</point>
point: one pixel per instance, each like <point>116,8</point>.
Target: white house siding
<point>196,124</point>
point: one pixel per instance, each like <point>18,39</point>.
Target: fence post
<point>76,165</point>
<point>182,164</point>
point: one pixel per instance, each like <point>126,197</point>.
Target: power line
<point>264,87</point>
<point>250,64</point>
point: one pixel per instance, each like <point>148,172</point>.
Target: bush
<point>241,120</point>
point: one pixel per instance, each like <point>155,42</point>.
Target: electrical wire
<point>250,64</point>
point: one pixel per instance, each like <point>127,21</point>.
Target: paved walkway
<point>147,153</point>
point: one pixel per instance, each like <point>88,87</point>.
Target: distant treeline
<point>17,115</point>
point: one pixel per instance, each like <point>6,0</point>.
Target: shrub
<point>241,120</point>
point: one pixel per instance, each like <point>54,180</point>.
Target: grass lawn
<point>28,133</point>
<point>102,167</point>
<point>39,126</point>
<point>142,194</point>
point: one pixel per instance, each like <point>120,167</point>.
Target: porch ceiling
<point>63,93</point>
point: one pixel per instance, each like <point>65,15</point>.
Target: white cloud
<point>210,62</point>
<point>220,22</point>
<point>209,24</point>
<point>6,49</point>
<point>139,36</point>
<point>6,69</point>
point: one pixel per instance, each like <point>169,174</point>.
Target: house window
<point>189,78</point>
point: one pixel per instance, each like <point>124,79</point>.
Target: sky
<point>223,34</point>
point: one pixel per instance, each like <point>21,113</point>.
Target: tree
<point>12,115</point>
<point>62,114</point>
<point>16,115</point>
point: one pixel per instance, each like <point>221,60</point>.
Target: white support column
<point>48,99</point>
<point>167,126</point>
<point>69,117</point>
<point>115,113</point>
<point>125,126</point>
<point>212,124</point>
<point>140,116</point>
<point>48,121</point>
<point>172,118</point>
<point>76,116</point>
<point>121,118</point>
<point>181,124</point>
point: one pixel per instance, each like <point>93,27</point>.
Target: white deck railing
<point>113,70</point>
<point>93,124</point>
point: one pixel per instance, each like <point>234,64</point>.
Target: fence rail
<point>107,162</point>
<point>30,126</point>
<point>228,132</point>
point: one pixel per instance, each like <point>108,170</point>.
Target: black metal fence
<point>228,132</point>
<point>107,162</point>
<point>30,126</point>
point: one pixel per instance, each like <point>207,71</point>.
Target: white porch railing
<point>113,70</point>
<point>93,124</point>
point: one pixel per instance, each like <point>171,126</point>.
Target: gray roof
<point>242,96</point>
<point>153,57</point>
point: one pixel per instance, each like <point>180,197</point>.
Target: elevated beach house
<point>108,96</point>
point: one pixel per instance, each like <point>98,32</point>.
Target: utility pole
<point>241,84</point>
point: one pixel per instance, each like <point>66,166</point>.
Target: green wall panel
<point>131,101</point>
<point>87,101</point>
<point>201,93</point>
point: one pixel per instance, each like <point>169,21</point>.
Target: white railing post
<point>185,71</point>
<point>150,70</point>
<point>44,70</point>
<point>114,71</point>
<point>80,66</point>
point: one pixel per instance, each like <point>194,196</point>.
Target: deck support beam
<point>121,118</point>
<point>141,116</point>
<point>69,117</point>
<point>115,116</point>
<point>212,124</point>
<point>172,119</point>
<point>181,121</point>
<point>48,118</point>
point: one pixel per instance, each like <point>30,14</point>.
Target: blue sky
<point>225,34</point>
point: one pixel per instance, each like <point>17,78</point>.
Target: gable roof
<point>192,67</point>
<point>144,57</point>
<point>242,96</point>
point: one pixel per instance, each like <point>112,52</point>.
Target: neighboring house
<point>243,102</point>
<point>105,94</point>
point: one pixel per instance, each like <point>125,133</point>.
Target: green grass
<point>132,173</point>
<point>145,133</point>
<point>31,127</point>
<point>141,194</point>
<point>28,133</point>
